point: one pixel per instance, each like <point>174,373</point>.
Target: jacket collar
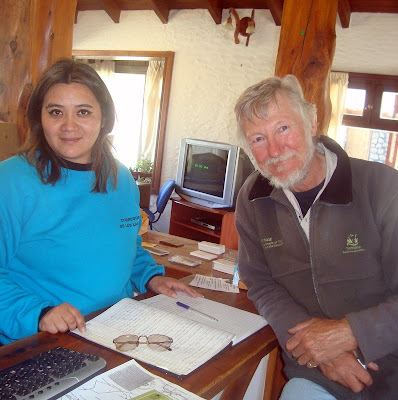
<point>338,190</point>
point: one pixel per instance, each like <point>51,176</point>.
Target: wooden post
<point>33,34</point>
<point>306,50</point>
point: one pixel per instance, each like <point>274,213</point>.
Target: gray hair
<point>256,100</point>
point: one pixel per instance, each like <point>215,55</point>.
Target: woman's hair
<point>36,148</point>
<point>256,100</point>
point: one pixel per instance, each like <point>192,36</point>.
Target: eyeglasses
<point>155,342</point>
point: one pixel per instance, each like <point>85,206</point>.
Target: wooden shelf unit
<point>182,211</point>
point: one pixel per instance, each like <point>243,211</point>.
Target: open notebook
<point>195,339</point>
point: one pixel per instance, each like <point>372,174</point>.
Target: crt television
<point>211,173</point>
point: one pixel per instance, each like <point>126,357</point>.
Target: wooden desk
<point>275,375</point>
<point>231,370</point>
<point>176,270</point>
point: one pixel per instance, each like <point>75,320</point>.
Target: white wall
<point>211,71</point>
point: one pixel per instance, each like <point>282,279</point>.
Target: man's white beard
<point>296,176</point>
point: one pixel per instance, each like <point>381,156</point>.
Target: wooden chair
<point>276,378</point>
<point>229,234</point>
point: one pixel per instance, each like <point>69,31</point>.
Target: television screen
<point>205,170</point>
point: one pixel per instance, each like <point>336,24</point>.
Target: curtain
<point>338,89</point>
<point>151,113</point>
<point>105,69</point>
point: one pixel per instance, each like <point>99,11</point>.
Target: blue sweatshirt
<point>63,243</point>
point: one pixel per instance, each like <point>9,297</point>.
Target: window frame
<point>374,85</point>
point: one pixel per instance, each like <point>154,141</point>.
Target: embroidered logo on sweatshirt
<point>129,222</point>
<point>269,243</point>
<point>352,244</point>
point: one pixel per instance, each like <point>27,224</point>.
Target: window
<point>126,83</point>
<point>370,123</point>
<point>157,124</point>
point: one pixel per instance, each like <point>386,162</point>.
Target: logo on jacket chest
<point>269,243</point>
<point>352,244</point>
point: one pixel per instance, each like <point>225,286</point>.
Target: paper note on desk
<point>212,283</point>
<point>129,381</point>
<point>194,343</point>
<point>241,323</point>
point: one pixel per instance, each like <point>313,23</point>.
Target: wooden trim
<point>120,54</point>
<point>112,9</point>
<point>344,11</point>
<point>161,10</point>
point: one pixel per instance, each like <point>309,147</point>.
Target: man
<point>318,249</point>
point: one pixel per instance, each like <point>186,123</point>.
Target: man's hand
<point>170,287</point>
<point>319,340</point>
<point>62,318</point>
<point>347,371</point>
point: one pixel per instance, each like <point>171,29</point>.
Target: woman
<point>69,213</point>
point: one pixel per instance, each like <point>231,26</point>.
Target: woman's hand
<point>62,318</point>
<point>170,287</point>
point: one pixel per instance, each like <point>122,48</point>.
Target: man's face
<point>280,145</point>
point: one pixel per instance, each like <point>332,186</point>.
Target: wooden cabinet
<point>182,213</point>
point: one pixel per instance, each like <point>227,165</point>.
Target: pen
<point>196,311</point>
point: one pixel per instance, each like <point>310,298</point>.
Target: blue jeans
<point>303,389</point>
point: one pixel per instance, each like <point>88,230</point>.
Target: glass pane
<point>127,91</point>
<point>389,106</point>
<point>355,102</point>
<point>369,144</point>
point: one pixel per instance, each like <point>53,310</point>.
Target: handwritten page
<point>129,381</point>
<point>241,323</point>
<point>212,283</point>
<point>194,343</point>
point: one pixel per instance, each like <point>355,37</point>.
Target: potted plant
<point>142,173</point>
<point>143,169</point>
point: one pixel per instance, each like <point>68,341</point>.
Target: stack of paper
<point>223,265</point>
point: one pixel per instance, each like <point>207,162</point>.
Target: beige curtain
<point>151,113</point>
<point>105,69</point>
<point>338,89</point>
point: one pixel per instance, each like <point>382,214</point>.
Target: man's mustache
<point>282,158</point>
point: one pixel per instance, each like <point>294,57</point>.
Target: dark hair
<point>38,151</point>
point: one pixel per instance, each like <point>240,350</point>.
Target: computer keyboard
<point>49,375</point>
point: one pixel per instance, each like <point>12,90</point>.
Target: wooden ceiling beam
<point>112,9</point>
<point>276,8</point>
<point>214,10</point>
<point>344,11</point>
<point>162,10</point>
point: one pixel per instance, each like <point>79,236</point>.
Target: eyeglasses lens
<point>126,342</point>
<point>159,342</point>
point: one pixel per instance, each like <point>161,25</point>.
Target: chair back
<point>164,195</point>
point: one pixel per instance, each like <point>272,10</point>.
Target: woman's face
<point>71,118</point>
